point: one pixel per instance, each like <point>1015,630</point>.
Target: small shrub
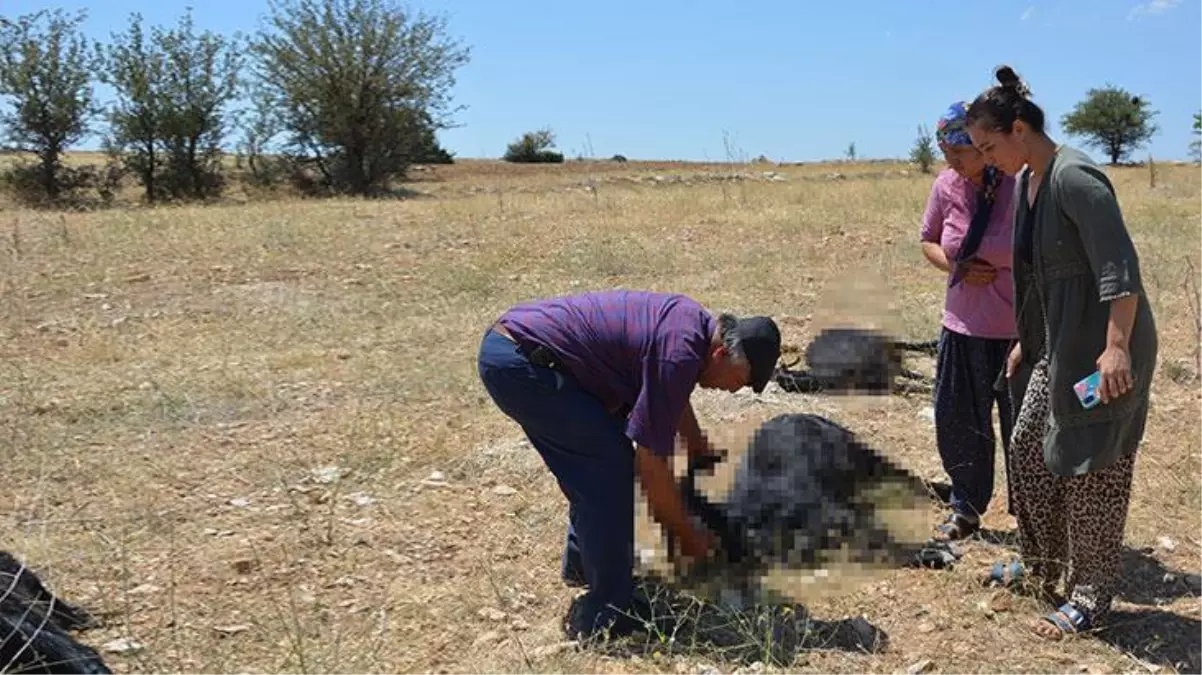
<point>25,181</point>
<point>923,153</point>
<point>264,171</point>
<point>533,148</point>
<point>435,155</point>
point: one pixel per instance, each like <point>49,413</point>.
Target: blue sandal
<point>1069,619</point>
<point>1006,575</point>
<point>958,527</point>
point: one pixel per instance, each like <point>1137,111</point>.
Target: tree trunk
<point>320,160</point>
<point>194,171</point>
<point>148,173</point>
<point>50,174</point>
<point>356,175</point>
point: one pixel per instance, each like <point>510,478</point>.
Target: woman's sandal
<point>1068,619</point>
<point>1006,575</point>
<point>957,527</point>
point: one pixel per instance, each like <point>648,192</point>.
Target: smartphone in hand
<point>1087,390</point>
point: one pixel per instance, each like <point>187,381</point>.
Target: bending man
<point>600,382</point>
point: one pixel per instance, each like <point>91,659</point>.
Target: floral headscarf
<point>951,128</point>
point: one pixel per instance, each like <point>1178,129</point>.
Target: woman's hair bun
<point>1010,80</point>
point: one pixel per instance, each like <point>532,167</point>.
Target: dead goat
<point>852,360</point>
<point>803,489</point>
<point>36,626</point>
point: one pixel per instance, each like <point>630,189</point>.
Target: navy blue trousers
<point>966,369</point>
<point>586,449</point>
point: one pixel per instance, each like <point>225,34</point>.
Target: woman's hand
<point>1115,366</point>
<point>1115,363</point>
<point>980,273</point>
<point>1015,358</point>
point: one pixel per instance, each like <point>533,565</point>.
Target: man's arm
<point>653,426</point>
<point>666,505</point>
<point>694,438</point>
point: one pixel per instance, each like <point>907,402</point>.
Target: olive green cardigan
<point>1082,258</point>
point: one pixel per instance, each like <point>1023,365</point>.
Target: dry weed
<point>252,436</point>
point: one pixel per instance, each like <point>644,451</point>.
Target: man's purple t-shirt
<point>638,349</point>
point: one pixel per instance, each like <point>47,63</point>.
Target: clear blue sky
<point>796,81</point>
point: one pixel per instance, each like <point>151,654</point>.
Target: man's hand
<point>667,506</point>
<point>696,544</point>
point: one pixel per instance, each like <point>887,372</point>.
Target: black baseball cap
<point>761,345</point>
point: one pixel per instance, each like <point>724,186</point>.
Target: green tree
<point>923,152</point>
<point>201,81</point>
<point>1112,120</point>
<point>356,84</point>
<point>174,89</point>
<point>1195,146</point>
<point>534,147</point>
<point>46,79</point>
<point>136,68</point>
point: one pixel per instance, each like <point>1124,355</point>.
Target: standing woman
<point>1081,309</point>
<point>967,232</point>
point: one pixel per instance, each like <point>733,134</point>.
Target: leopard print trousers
<point>1067,523</point>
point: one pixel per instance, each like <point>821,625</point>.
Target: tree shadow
<point>940,491</point>
<point>1158,637</point>
<point>1144,579</point>
<point>772,633</point>
<point>1147,581</point>
<point>402,192</point>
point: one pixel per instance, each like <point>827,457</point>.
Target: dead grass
<point>177,384</point>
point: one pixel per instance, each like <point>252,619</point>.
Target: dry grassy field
<point>219,423</point>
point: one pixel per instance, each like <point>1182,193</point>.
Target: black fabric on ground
<point>35,626</point>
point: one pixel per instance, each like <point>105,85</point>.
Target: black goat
<point>852,360</point>
<point>35,626</point>
<point>800,491</point>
